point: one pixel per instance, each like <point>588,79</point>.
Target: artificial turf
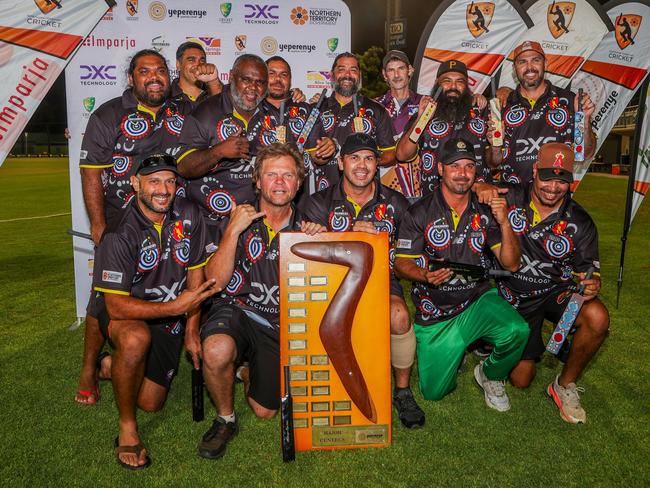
<point>48,440</point>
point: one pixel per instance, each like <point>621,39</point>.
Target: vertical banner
<point>480,34</point>
<point>309,35</point>
<point>616,68</point>
<point>642,174</point>
<point>37,39</point>
<point>568,31</point>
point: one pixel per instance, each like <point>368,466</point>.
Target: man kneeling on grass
<point>243,325</point>
<point>148,274</point>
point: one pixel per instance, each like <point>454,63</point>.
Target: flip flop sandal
<point>137,449</point>
<point>88,397</point>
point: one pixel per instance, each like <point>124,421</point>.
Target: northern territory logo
<point>240,42</point>
<point>132,8</point>
<point>627,27</point>
<point>559,17</point>
<point>478,17</point>
<point>46,6</point>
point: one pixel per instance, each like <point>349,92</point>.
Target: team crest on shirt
<point>227,127</point>
<point>557,118</point>
<point>135,127</point>
<point>515,116</point>
<point>177,232</point>
<point>174,124</point>
<point>267,137</point>
<point>439,129</point>
<point>121,164</point>
<point>329,121</point>
<point>438,235</point>
<point>518,220</point>
<point>181,252</point>
<point>428,308</point>
<point>386,225</point>
<point>340,220</point>
<point>558,246</point>
<point>428,161</point>
<point>295,125</point>
<point>255,248</point>
<point>476,241</point>
<point>149,256</point>
<point>477,127</point>
<point>236,283</point>
<point>220,202</point>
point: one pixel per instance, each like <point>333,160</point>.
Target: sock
<point>228,418</point>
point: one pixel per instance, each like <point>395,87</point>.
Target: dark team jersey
<point>255,283</point>
<point>180,96</point>
<point>400,114</point>
<point>118,133</point>
<point>527,127</point>
<point>338,124</point>
<point>432,230</point>
<point>552,250</point>
<point>333,209</point>
<point>230,181</point>
<point>472,128</point>
<point>148,261</point>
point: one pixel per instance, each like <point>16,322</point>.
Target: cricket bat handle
<point>286,421</point>
<point>422,122</point>
<point>579,131</point>
<point>198,413</point>
<point>495,111</point>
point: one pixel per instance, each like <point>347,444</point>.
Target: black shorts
<point>256,343</point>
<point>535,311</point>
<point>166,344</point>
<point>396,287</point>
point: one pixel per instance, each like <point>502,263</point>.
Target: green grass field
<point>47,440</point>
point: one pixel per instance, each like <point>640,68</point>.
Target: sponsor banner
<point>568,31</point>
<point>307,34</point>
<point>616,69</point>
<point>37,39</point>
<point>642,176</point>
<point>481,34</point>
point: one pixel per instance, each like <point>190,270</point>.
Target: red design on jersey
<point>293,111</point>
<point>554,102</point>
<point>558,229</point>
<point>267,122</point>
<point>476,222</point>
<point>178,231</point>
<point>362,111</point>
<point>380,211</point>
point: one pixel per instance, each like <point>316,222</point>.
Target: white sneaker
<point>495,391</point>
<point>567,399</point>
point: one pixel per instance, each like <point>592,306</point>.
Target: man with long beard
<point>455,117</point>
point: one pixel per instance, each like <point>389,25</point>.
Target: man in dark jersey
<point>197,79</point>
<point>456,116</point>
<point>341,116</point>
<point>359,202</point>
<point>141,121</point>
<point>537,112</point>
<point>243,324</point>
<point>558,241</point>
<point>148,274</point>
<point>453,310</point>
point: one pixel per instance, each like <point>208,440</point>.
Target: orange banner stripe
<point>626,76</point>
<point>479,62</point>
<point>641,187</point>
<point>54,43</point>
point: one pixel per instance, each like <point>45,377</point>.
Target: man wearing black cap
<point>456,116</point>
<point>453,310</point>
<point>148,275</point>
<point>359,202</point>
<point>537,112</point>
<point>558,241</point>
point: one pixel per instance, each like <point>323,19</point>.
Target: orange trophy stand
<point>326,415</point>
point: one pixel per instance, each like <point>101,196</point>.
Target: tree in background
<point>373,81</point>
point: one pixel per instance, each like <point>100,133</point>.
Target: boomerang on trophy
<point>336,326</point>
<point>568,318</point>
<point>468,270</point>
<point>579,131</point>
<point>495,112</point>
<point>425,117</point>
<point>311,120</point>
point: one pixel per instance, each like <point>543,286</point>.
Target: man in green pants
<point>453,310</point>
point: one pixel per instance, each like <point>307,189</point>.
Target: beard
<point>279,95</point>
<point>239,101</point>
<point>347,92</point>
<point>148,201</point>
<point>531,84</point>
<point>152,99</point>
<point>455,108</point>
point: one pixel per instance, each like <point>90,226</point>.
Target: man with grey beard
<point>347,111</point>
<point>221,138</point>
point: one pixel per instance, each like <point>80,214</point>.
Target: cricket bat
<point>495,112</point>
<point>197,395</point>
<point>468,270</point>
<point>579,131</point>
<point>286,421</point>
<point>281,130</point>
<point>311,120</point>
<point>568,318</point>
<point>425,117</point>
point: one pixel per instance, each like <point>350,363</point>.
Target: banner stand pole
<point>76,324</point>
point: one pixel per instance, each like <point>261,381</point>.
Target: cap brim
<point>377,152</point>
<point>547,174</point>
<point>151,170</point>
<point>457,157</point>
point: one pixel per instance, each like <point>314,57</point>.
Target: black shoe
<point>408,410</point>
<point>214,442</point>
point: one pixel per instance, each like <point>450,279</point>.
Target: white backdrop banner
<point>568,31</point>
<point>37,38</point>
<point>308,34</point>
<point>480,34</point>
<point>616,69</point>
<point>642,176</point>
